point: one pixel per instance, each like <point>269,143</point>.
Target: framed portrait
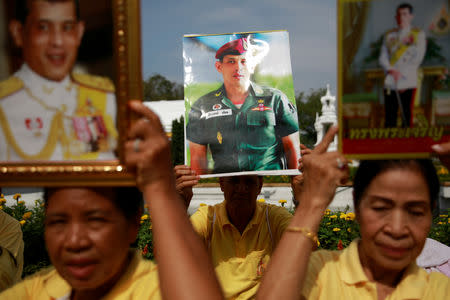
<point>393,82</point>
<point>241,115</point>
<point>64,93</point>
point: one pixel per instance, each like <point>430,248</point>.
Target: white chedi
<point>327,118</point>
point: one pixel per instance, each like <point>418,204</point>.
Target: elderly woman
<point>393,203</point>
<point>88,232</point>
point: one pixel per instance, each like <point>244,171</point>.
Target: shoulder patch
<point>95,82</point>
<point>265,91</point>
<point>258,90</point>
<point>10,86</point>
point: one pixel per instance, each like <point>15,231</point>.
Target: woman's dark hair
<point>128,200</point>
<point>369,169</point>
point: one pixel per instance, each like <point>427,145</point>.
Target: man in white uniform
<point>46,113</point>
<point>401,54</point>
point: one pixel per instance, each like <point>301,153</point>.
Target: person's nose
<point>77,238</point>
<point>241,66</point>
<point>242,187</point>
<point>56,36</point>
<point>397,224</point>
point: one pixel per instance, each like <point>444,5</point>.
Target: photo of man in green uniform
<point>246,126</point>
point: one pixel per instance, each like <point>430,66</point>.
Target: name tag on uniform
<point>218,113</point>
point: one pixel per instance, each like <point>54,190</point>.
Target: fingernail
<point>133,103</point>
<point>436,147</point>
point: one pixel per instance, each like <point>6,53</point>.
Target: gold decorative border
<point>127,59</point>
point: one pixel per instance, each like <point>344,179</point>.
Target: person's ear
<point>221,183</point>
<point>80,31</point>
<point>218,66</point>
<point>134,225</point>
<point>133,231</point>
<point>260,183</point>
<point>16,31</point>
<point>356,209</point>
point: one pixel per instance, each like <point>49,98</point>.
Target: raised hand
<point>186,178</point>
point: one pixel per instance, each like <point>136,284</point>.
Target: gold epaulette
<point>416,29</point>
<point>95,82</point>
<point>10,86</point>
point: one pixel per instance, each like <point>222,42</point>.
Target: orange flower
<point>26,215</point>
<point>340,246</point>
<point>145,251</point>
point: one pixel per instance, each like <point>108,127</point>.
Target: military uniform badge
<point>90,128</point>
<point>261,107</point>
<point>35,125</point>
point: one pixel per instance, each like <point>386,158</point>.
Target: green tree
<point>177,143</point>
<point>157,87</point>
<point>308,105</point>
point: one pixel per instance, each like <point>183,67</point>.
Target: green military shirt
<point>246,138</point>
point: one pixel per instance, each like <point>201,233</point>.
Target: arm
<point>185,180</point>
<point>297,181</point>
<point>287,268</point>
<point>185,272</point>
<point>291,147</point>
<point>385,63</point>
<point>199,162</point>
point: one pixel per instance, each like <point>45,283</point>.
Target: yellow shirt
<point>240,260</point>
<point>11,248</point>
<point>140,281</point>
<point>339,275</point>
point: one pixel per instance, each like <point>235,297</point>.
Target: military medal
<point>219,137</point>
<point>261,106</point>
<point>90,128</point>
<point>35,125</point>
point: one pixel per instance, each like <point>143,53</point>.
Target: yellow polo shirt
<point>11,251</point>
<point>240,260</point>
<point>140,281</point>
<point>339,275</point>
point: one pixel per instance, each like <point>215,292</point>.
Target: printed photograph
<point>241,115</point>
<point>57,91</point>
<point>394,86</point>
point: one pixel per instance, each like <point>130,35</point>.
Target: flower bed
<point>337,230</point>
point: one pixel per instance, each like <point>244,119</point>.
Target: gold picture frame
<point>128,82</point>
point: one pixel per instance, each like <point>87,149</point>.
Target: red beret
<point>236,47</point>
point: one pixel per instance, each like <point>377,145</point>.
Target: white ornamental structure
<point>327,119</point>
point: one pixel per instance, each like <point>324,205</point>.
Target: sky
<point>311,25</point>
